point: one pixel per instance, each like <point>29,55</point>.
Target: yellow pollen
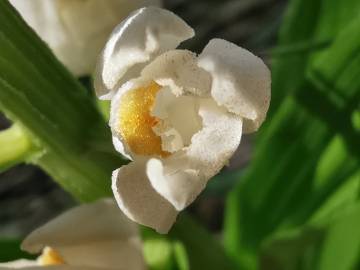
<point>50,256</point>
<point>136,122</point>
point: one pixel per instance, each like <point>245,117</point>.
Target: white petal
<point>81,230</point>
<point>120,147</point>
<point>241,81</point>
<point>22,263</point>
<point>76,31</point>
<point>177,183</point>
<point>181,177</point>
<point>107,255</point>
<point>145,34</point>
<point>181,113</point>
<point>178,69</point>
<point>56,267</point>
<point>138,200</point>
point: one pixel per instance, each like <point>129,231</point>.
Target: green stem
<point>15,146</point>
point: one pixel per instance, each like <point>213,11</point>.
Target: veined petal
<point>240,81</point>
<point>178,69</point>
<point>181,177</point>
<point>78,233</point>
<point>138,200</point>
<point>145,34</point>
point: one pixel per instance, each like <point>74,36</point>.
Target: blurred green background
<point>290,197</point>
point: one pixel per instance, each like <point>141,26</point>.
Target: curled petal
<point>78,233</point>
<point>145,34</point>
<point>138,200</point>
<point>181,177</point>
<point>241,81</point>
<point>178,69</point>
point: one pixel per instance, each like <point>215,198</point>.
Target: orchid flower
<point>76,30</point>
<point>92,236</point>
<point>179,117</point>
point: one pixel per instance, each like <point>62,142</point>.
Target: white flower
<point>76,30</point>
<point>178,116</point>
<point>92,236</point>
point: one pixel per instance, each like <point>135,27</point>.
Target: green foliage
<point>61,118</point>
<point>308,151</point>
<point>10,250</point>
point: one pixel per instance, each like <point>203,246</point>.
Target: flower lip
<point>136,123</point>
<point>50,256</point>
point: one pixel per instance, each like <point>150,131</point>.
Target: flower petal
<point>145,34</point>
<point>22,263</point>
<point>138,200</point>
<point>181,177</point>
<point>54,267</point>
<point>78,234</point>
<point>241,81</point>
<point>74,30</point>
<point>178,69</point>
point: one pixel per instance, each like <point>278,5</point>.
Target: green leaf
<point>341,249</point>
<point>203,250</point>
<point>309,146</point>
<point>10,250</point>
<point>330,244</point>
<point>294,30</point>
<point>55,110</point>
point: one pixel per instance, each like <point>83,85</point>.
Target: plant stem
<point>15,146</point>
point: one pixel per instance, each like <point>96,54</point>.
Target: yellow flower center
<point>136,122</point>
<point>50,256</point>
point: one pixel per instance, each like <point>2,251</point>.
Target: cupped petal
<point>179,70</point>
<point>240,81</point>
<point>145,34</point>
<point>79,232</point>
<point>181,177</point>
<point>138,200</point>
